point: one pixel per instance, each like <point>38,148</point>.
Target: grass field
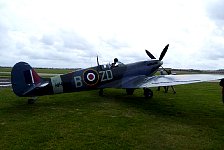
<point>191,119</point>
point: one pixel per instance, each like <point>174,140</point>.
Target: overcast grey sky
<point>71,33</point>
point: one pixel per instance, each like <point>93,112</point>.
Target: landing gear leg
<point>101,92</point>
<point>32,100</point>
<point>130,91</point>
<point>221,83</point>
<point>148,93</point>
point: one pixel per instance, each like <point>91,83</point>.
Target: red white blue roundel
<point>91,77</point>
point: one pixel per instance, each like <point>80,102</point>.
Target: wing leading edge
<point>161,80</point>
<point>169,80</point>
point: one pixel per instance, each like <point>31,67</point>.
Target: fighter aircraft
<point>27,83</point>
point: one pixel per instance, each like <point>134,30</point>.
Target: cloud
<point>63,45</point>
<point>115,44</point>
<point>54,49</point>
<point>72,40</point>
<point>215,10</point>
<point>4,37</point>
<point>37,32</point>
<point>214,49</point>
<point>65,41</point>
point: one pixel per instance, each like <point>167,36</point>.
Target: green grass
<point>5,69</point>
<point>191,119</point>
<point>54,71</point>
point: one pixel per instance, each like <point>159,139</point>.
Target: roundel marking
<point>90,77</point>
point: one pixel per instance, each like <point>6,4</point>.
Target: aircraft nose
<point>154,63</point>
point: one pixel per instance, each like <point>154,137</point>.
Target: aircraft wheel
<point>148,93</point>
<point>101,92</point>
<point>130,91</point>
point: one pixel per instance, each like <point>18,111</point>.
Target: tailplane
<point>24,79</point>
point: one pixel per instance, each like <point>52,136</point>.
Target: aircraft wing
<point>161,80</point>
<point>168,80</point>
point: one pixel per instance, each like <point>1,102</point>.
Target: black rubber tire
<point>148,93</point>
<point>101,92</point>
<point>130,91</point>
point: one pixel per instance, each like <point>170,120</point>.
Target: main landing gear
<point>32,100</point>
<point>148,93</point>
<point>101,92</point>
<point>221,83</point>
<point>130,91</point>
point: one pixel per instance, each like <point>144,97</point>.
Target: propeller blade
<point>149,54</point>
<point>163,52</point>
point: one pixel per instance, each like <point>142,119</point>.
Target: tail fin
<point>24,79</point>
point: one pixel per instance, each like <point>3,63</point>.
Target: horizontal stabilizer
<point>35,87</point>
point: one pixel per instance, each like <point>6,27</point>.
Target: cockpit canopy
<point>109,66</point>
<point>119,64</point>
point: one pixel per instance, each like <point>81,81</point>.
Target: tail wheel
<point>148,93</point>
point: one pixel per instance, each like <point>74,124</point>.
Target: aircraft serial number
<point>106,75</point>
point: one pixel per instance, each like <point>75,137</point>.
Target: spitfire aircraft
<point>27,83</point>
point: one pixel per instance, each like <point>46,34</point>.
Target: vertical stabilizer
<point>24,78</point>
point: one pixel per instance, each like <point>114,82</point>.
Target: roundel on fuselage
<point>91,77</point>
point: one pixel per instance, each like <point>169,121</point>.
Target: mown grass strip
<point>191,119</point>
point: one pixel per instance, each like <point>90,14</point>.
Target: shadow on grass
<point>161,104</point>
<point>164,105</point>
<point>89,99</point>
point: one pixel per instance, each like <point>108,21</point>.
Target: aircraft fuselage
<point>96,77</point>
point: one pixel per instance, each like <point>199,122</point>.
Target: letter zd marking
<point>106,75</point>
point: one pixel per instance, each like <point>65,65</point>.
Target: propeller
<point>161,55</point>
